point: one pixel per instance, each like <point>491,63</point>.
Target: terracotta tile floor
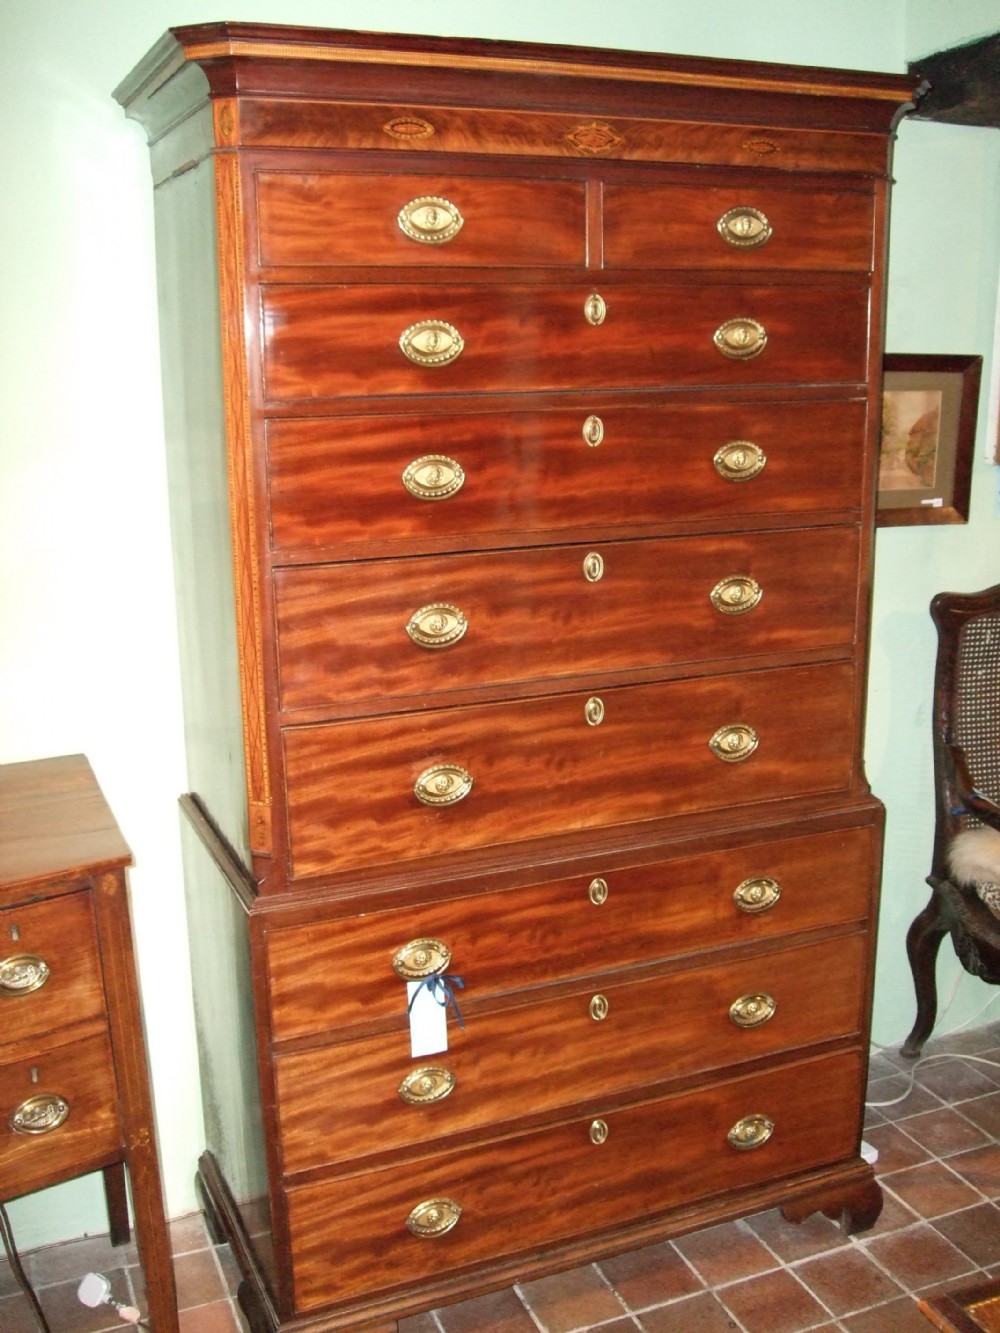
<point>939,1165</point>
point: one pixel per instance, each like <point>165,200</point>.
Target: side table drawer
<point>574,1179</point>
<point>58,1115</point>
<point>49,969</point>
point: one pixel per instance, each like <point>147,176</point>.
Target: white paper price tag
<point>428,1020</point>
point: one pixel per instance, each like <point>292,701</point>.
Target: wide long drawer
<point>571,1180</point>
<point>331,973</point>
<point>356,637</point>
<point>433,478</point>
<point>351,1099</point>
<point>50,972</point>
<point>343,341</point>
<point>413,786</point>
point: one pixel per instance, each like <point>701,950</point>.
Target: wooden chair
<point>966,727</point>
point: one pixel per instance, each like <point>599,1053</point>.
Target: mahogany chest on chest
<point>521,410</point>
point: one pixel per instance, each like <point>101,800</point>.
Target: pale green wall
<point>87,643</point>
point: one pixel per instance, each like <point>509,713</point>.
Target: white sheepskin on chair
<point>974,856</point>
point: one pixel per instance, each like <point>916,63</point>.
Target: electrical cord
<point>17,1269</point>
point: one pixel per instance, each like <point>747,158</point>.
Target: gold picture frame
<point>929,408</point>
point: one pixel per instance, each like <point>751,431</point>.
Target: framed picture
<point>929,407</point>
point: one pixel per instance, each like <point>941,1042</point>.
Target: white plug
<point>95,1290</point>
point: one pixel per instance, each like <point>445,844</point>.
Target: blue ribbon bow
<point>441,988</point>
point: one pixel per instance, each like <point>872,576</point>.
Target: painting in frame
<point>929,408</point>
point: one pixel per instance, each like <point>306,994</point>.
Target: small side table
<point>74,1085</point>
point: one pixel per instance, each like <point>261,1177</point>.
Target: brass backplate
<point>430,220</point>
<point>40,1114</point>
<point>23,973</point>
<point>421,958</point>
<point>753,1131</point>
<point>433,477</point>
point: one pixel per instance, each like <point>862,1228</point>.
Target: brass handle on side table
<point>434,1217</point>
<point>421,958</point>
<point>739,460</point>
<point>431,342</point>
<point>753,1131</point>
<point>23,973</point>
<point>753,1011</point>
<point>437,626</point>
<point>40,1114</point>
<point>443,784</point>
<point>734,744</point>
<point>735,595</point>
<point>434,477</point>
<point>744,227</point>
<point>757,895</point>
<point>430,220</point>
<point>428,1084</point>
<point>741,339</point>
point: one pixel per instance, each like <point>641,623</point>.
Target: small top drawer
<point>328,218</point>
<point>49,969</point>
<point>736,227</point>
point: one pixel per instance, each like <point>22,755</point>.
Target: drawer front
<point>602,465</point>
<point>342,342</point>
<point>72,1105</point>
<point>440,221</point>
<point>539,1188</point>
<point>335,973</point>
<point>359,636</point>
<point>736,226</point>
<point>49,966</point>
<point>546,766</point>
<point>343,1101</point>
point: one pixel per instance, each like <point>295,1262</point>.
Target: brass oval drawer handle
<point>599,1008</point>
<point>595,309</point>
<point>421,958</point>
<point>429,1083</point>
<point>735,743</point>
<point>753,1131</point>
<point>437,625</point>
<point>741,339</point>
<point>744,227</point>
<point>432,342</point>
<point>593,711</point>
<point>430,220</point>
<point>739,460</point>
<point>599,1132</point>
<point>40,1114</point>
<point>22,973</point>
<point>434,477</point>
<point>598,892</point>
<point>443,784</point>
<point>593,431</point>
<point>593,567</point>
<point>736,595</point>
<point>753,1011</point>
<point>434,1217</point>
<point>757,895</point>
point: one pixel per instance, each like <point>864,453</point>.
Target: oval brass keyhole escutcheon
<point>744,227</point>
<point>434,477</point>
<point>431,342</point>
<point>599,1008</point>
<point>595,309</point>
<point>753,1011</point>
<point>734,744</point>
<point>598,892</point>
<point>443,784</point>
<point>599,1132</point>
<point>736,595</point>
<point>437,625</point>
<point>757,895</point>
<point>739,460</point>
<point>23,973</point>
<point>741,339</point>
<point>594,711</point>
<point>753,1131</point>
<point>421,958</point>
<point>430,220</point>
<point>593,431</point>
<point>433,1217</point>
<point>593,567</point>
<point>428,1084</point>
